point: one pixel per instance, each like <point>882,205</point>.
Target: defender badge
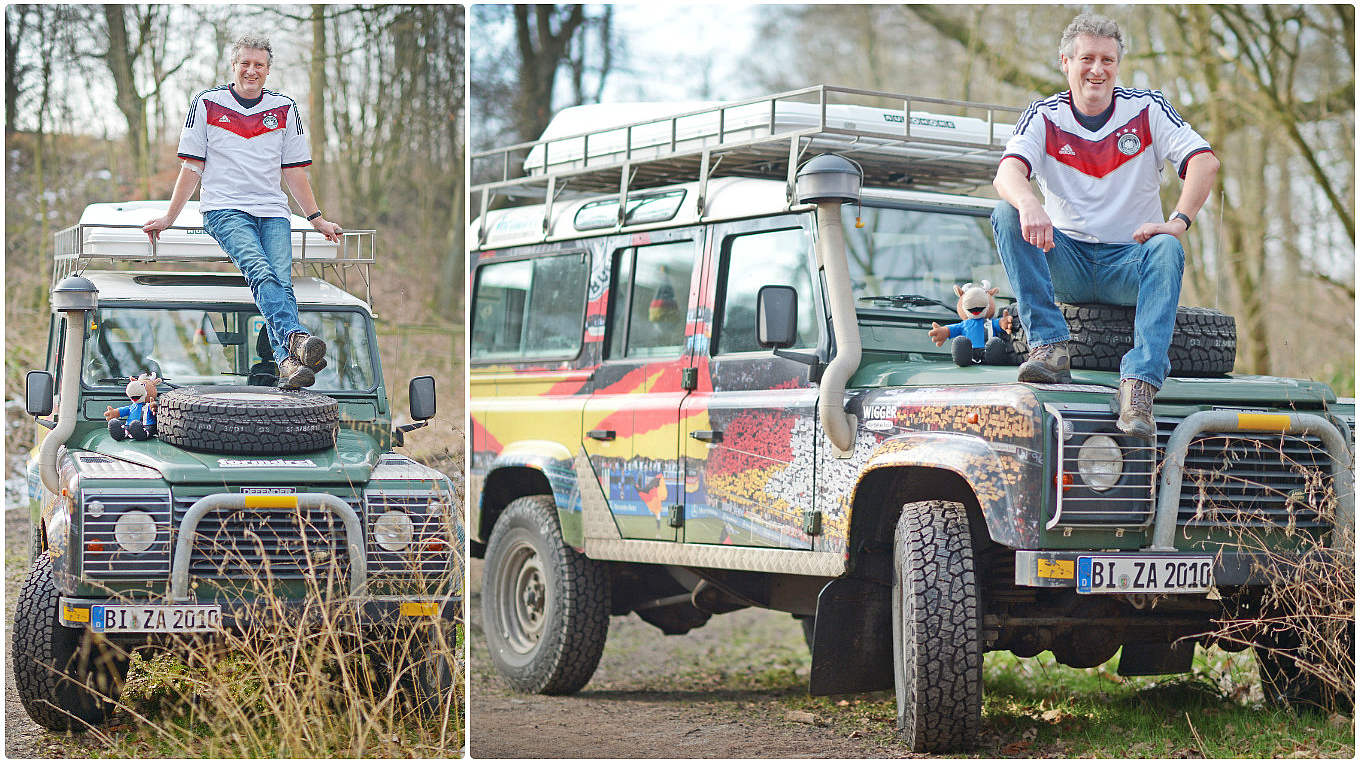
<point>1129,144</point>
<point>272,122</point>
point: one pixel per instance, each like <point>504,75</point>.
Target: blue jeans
<point>1144,275</point>
<point>262,248</point>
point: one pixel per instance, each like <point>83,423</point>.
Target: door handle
<point>707,436</point>
<point>601,435</point>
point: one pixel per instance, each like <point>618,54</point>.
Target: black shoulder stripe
<point>1046,104</point>
<point>193,105</point>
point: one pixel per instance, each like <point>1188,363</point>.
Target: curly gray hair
<point>253,43</point>
<point>1093,25</point>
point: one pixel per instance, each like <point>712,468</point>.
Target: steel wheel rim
<point>522,597</point>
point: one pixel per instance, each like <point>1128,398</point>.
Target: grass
<point>1036,707</point>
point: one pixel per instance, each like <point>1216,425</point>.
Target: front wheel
<point>937,655</point>
<point>545,606</point>
<point>67,679</point>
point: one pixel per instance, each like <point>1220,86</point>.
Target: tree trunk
<point>120,58</point>
<point>316,103</point>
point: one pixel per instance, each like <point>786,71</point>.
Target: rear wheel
<point>937,655</point>
<point>545,606</point>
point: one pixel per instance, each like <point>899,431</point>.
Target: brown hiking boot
<point>1135,408</point>
<point>293,374</point>
<point>1049,363</point>
<point>308,350</point>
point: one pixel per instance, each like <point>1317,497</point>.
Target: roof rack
<point>901,146</point>
<point>78,246</point>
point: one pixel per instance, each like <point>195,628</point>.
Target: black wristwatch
<point>318,213</point>
<point>1176,215</point>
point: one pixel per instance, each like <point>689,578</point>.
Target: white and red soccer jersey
<point>244,147</point>
<point>1100,185</point>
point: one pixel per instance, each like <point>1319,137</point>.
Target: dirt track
<point>719,691</point>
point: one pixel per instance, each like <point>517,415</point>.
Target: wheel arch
<point>526,468</point>
<point>881,492</point>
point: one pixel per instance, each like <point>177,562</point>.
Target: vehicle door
<point>750,425</point>
<point>631,422</point>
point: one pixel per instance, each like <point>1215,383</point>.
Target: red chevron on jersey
<point>246,125</point>
<point>1097,158</point>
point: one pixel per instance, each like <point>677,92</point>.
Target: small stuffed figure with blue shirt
<point>138,419</point>
<point>977,338</point>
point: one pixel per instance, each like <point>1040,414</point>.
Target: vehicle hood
<point>1257,390</point>
<point>349,463</point>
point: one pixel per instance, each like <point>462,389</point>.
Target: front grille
<point>1240,480</point>
<point>1234,480</point>
<point>434,534</point>
<point>1129,503</point>
<point>102,556</point>
<point>280,544</point>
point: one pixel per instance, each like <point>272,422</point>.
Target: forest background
<point>1271,87</point>
<point>94,100</point>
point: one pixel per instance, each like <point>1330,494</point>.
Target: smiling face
<point>249,71</point>
<point>1091,70</point>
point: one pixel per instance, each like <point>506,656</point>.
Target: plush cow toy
<point>976,338</point>
<point>138,419</point>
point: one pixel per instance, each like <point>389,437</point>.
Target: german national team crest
<point>1129,143</point>
<point>272,122</point>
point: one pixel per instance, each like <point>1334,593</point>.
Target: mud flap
<point>852,638</point>
<point>1155,658</point>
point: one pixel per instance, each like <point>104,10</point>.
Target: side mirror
<point>38,393</point>
<point>421,394</point>
<point>776,316</point>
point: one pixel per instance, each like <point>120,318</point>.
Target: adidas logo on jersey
<point>1066,150</point>
<point>224,119</point>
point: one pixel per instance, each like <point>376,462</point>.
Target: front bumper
<point>240,614</point>
<point>1057,569</point>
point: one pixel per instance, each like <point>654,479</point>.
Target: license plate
<point>156,618</point>
<point>1131,574</point>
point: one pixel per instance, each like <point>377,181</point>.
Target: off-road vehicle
<point>702,380</point>
<point>250,502</point>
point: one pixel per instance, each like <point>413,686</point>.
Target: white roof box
<point>659,129</point>
<point>114,230</point>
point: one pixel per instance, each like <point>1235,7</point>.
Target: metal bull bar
<point>184,545</point>
<point>1223,421</point>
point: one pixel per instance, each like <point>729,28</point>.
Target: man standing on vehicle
<point>239,138</point>
<point>1099,235</point>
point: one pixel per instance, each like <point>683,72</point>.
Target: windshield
<point>219,347</point>
<point>920,253</point>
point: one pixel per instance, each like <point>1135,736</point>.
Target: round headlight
<point>135,531</point>
<point>393,530</point>
<point>1100,462</point>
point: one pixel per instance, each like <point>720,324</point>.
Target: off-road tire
<point>67,680</point>
<point>420,661</point>
<point>545,606</point>
<point>246,419</point>
<point>1203,341</point>
<point>937,654</point>
<point>1285,684</point>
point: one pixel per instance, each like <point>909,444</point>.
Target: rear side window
<point>648,298</point>
<point>532,308</point>
<point>778,257</point>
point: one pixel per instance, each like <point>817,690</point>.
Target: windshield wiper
<point>907,299</point>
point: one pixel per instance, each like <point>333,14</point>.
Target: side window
<point>778,257</point>
<point>647,300</point>
<point>529,308</point>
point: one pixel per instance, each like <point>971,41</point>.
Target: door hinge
<point>677,516</point>
<point>812,522</point>
<point>689,378</point>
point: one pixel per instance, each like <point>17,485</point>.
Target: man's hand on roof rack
<point>328,229</point>
<point>153,228</point>
<point>906,299</point>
